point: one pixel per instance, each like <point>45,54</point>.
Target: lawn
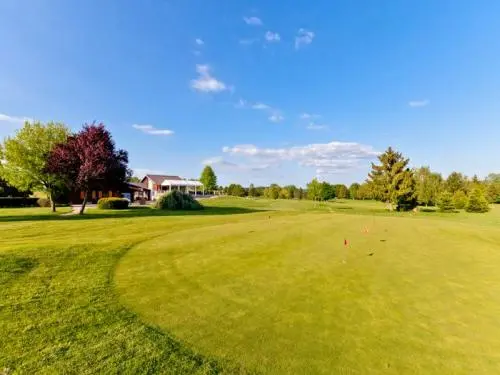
<point>250,286</point>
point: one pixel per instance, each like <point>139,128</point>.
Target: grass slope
<point>215,291</point>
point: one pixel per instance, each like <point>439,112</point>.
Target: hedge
<point>18,202</point>
<point>112,203</point>
<point>177,200</point>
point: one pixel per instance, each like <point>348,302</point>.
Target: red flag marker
<point>346,243</point>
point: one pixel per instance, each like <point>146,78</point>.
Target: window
<point>93,194</point>
<point>110,193</point>
<point>100,194</point>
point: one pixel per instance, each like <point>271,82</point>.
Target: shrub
<point>445,202</point>
<point>477,202</point>
<point>112,203</point>
<point>18,202</point>
<point>43,202</point>
<point>460,199</point>
<point>177,200</point>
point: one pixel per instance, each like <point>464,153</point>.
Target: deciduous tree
<point>353,190</point>
<point>89,158</point>
<point>456,181</point>
<point>208,179</point>
<point>429,185</point>
<point>25,158</point>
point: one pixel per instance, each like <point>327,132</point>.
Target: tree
<point>459,199</point>
<point>298,193</point>
<point>315,190</point>
<point>428,185</point>
<point>291,189</point>
<point>477,202</point>
<point>208,179</point>
<point>341,191</point>
<point>236,190</point>
<point>353,190</point>
<point>327,191</point>
<point>365,191</point>
<point>252,192</point>
<point>134,179</point>
<point>284,194</point>
<point>493,187</point>
<point>392,181</point>
<point>456,181</point>
<point>7,190</point>
<point>89,159</point>
<point>25,156</point>
<point>445,202</point>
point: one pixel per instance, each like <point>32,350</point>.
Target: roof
<point>159,178</point>
<point>138,185</point>
<point>191,183</point>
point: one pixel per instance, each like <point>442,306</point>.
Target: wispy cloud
<point>150,129</point>
<point>206,82</point>
<point>276,117</point>
<point>308,116</point>
<point>272,37</point>
<point>260,106</point>
<point>255,21</point>
<point>303,37</point>
<point>314,126</point>
<point>199,41</point>
<point>14,119</point>
<point>327,158</point>
<point>219,161</point>
<point>418,103</point>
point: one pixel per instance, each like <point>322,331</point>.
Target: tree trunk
<point>52,201</point>
<point>84,203</point>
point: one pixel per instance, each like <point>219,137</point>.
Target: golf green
<point>285,294</point>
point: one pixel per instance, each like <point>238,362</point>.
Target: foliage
<point>89,159</point>
<point>456,181</point>
<point>25,156</point>
<point>291,192</point>
<point>365,191</point>
<point>315,190</point>
<point>493,187</point>
<point>445,202</point>
<point>429,185</point>
<point>341,191</point>
<point>236,190</point>
<point>7,190</point>
<point>252,192</point>
<point>43,202</point>
<point>459,199</point>
<point>392,181</point>
<point>112,203</point>
<point>327,191</point>
<point>134,179</point>
<point>208,179</point>
<point>18,202</point>
<point>284,194</point>
<point>477,202</point>
<point>272,192</point>
<point>177,200</point>
<point>353,190</point>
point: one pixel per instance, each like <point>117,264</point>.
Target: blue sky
<point>264,91</point>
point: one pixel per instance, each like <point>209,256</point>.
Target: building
<point>161,184</point>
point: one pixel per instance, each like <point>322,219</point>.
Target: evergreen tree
<point>445,202</point>
<point>208,179</point>
<point>252,192</point>
<point>392,181</point>
<point>327,191</point>
<point>456,181</point>
<point>477,202</point>
<point>460,199</point>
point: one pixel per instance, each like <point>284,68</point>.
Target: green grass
<point>250,286</point>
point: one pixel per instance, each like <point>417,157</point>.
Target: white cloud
<point>328,158</point>
<point>418,103</point>
<point>272,37</point>
<point>276,117</point>
<point>199,41</point>
<point>255,21</point>
<point>308,116</point>
<point>260,106</point>
<point>13,119</point>
<point>150,129</point>
<point>313,126</point>
<point>303,37</point>
<point>205,82</point>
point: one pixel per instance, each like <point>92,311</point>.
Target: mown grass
<point>249,285</point>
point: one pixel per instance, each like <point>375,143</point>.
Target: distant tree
<point>88,159</point>
<point>284,193</point>
<point>445,202</point>
<point>274,191</point>
<point>341,191</point>
<point>252,192</point>
<point>298,193</point>
<point>134,179</point>
<point>460,199</point>
<point>327,191</point>
<point>365,191</point>
<point>291,189</point>
<point>208,179</point>
<point>236,190</point>
<point>429,185</point>
<point>456,181</point>
<point>392,181</point>
<point>315,190</point>
<point>25,158</point>
<point>353,190</point>
<point>477,202</point>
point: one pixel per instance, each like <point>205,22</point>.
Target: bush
<point>445,202</point>
<point>43,202</point>
<point>477,202</point>
<point>112,203</point>
<point>460,199</point>
<point>177,200</point>
<point>18,202</point>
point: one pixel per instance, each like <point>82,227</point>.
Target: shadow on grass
<point>130,213</point>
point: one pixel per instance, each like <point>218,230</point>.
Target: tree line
<point>49,158</point>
